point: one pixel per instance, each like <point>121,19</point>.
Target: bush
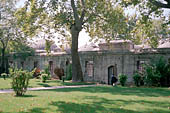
<point>137,79</point>
<point>156,72</point>
<point>46,70</point>
<point>36,73</point>
<point>4,75</point>
<point>122,79</point>
<point>59,72</point>
<point>152,76</point>
<point>20,81</point>
<point>44,77</point>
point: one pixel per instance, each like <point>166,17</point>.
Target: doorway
<point>111,70</point>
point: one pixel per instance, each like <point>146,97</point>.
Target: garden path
<point>47,88</point>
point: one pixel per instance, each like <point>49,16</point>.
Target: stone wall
<point>124,62</point>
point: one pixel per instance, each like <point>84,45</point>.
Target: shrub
<point>20,81</point>
<point>156,72</point>
<point>44,77</point>
<point>36,72</point>
<point>122,79</point>
<point>48,74</point>
<point>4,75</point>
<point>152,76</point>
<point>137,79</point>
<point>46,71</point>
<point>59,72</point>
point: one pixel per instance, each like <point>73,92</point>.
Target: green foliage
<point>69,72</point>
<point>46,71</point>
<point>122,79</point>
<point>149,32</point>
<point>137,79</point>
<point>44,77</point>
<point>4,75</point>
<point>152,76</point>
<point>20,49</point>
<point>48,44</point>
<point>157,72</point>
<point>149,8</point>
<point>20,81</point>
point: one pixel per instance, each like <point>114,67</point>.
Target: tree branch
<point>77,19</point>
<point>91,16</point>
<point>160,4</point>
<point>83,12</point>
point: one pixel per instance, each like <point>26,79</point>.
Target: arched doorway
<point>111,70</point>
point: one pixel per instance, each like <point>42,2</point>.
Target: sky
<point>83,36</point>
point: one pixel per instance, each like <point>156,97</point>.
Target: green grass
<point>6,84</point>
<point>100,99</point>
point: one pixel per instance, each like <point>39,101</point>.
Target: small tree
<point>20,81</point>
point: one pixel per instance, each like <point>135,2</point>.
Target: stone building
<point>98,62</point>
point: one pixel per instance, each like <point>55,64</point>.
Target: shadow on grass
<point>102,105</point>
<point>87,108</point>
<point>26,96</point>
<point>36,110</point>
<point>143,92</point>
<point>44,84</point>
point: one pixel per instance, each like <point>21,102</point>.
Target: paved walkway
<point>45,88</point>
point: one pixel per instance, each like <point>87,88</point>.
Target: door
<point>111,70</point>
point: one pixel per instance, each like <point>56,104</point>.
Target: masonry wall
<point>125,62</point>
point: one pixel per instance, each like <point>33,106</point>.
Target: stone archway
<point>111,70</point>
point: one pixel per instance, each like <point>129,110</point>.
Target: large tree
<point>10,34</point>
<point>6,27</point>
<point>101,18</point>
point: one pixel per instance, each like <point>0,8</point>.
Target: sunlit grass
<point>101,99</point>
<point>6,84</point>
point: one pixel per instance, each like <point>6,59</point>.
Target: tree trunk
<point>77,75</point>
<point>3,61</point>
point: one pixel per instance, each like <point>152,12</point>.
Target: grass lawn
<point>6,84</point>
<point>100,99</point>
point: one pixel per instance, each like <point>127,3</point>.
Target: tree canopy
<point>101,18</point>
<point>10,34</point>
<point>150,8</point>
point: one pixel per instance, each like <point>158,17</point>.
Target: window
<point>140,65</point>
<point>89,68</point>
<point>35,64</point>
<point>51,65</point>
